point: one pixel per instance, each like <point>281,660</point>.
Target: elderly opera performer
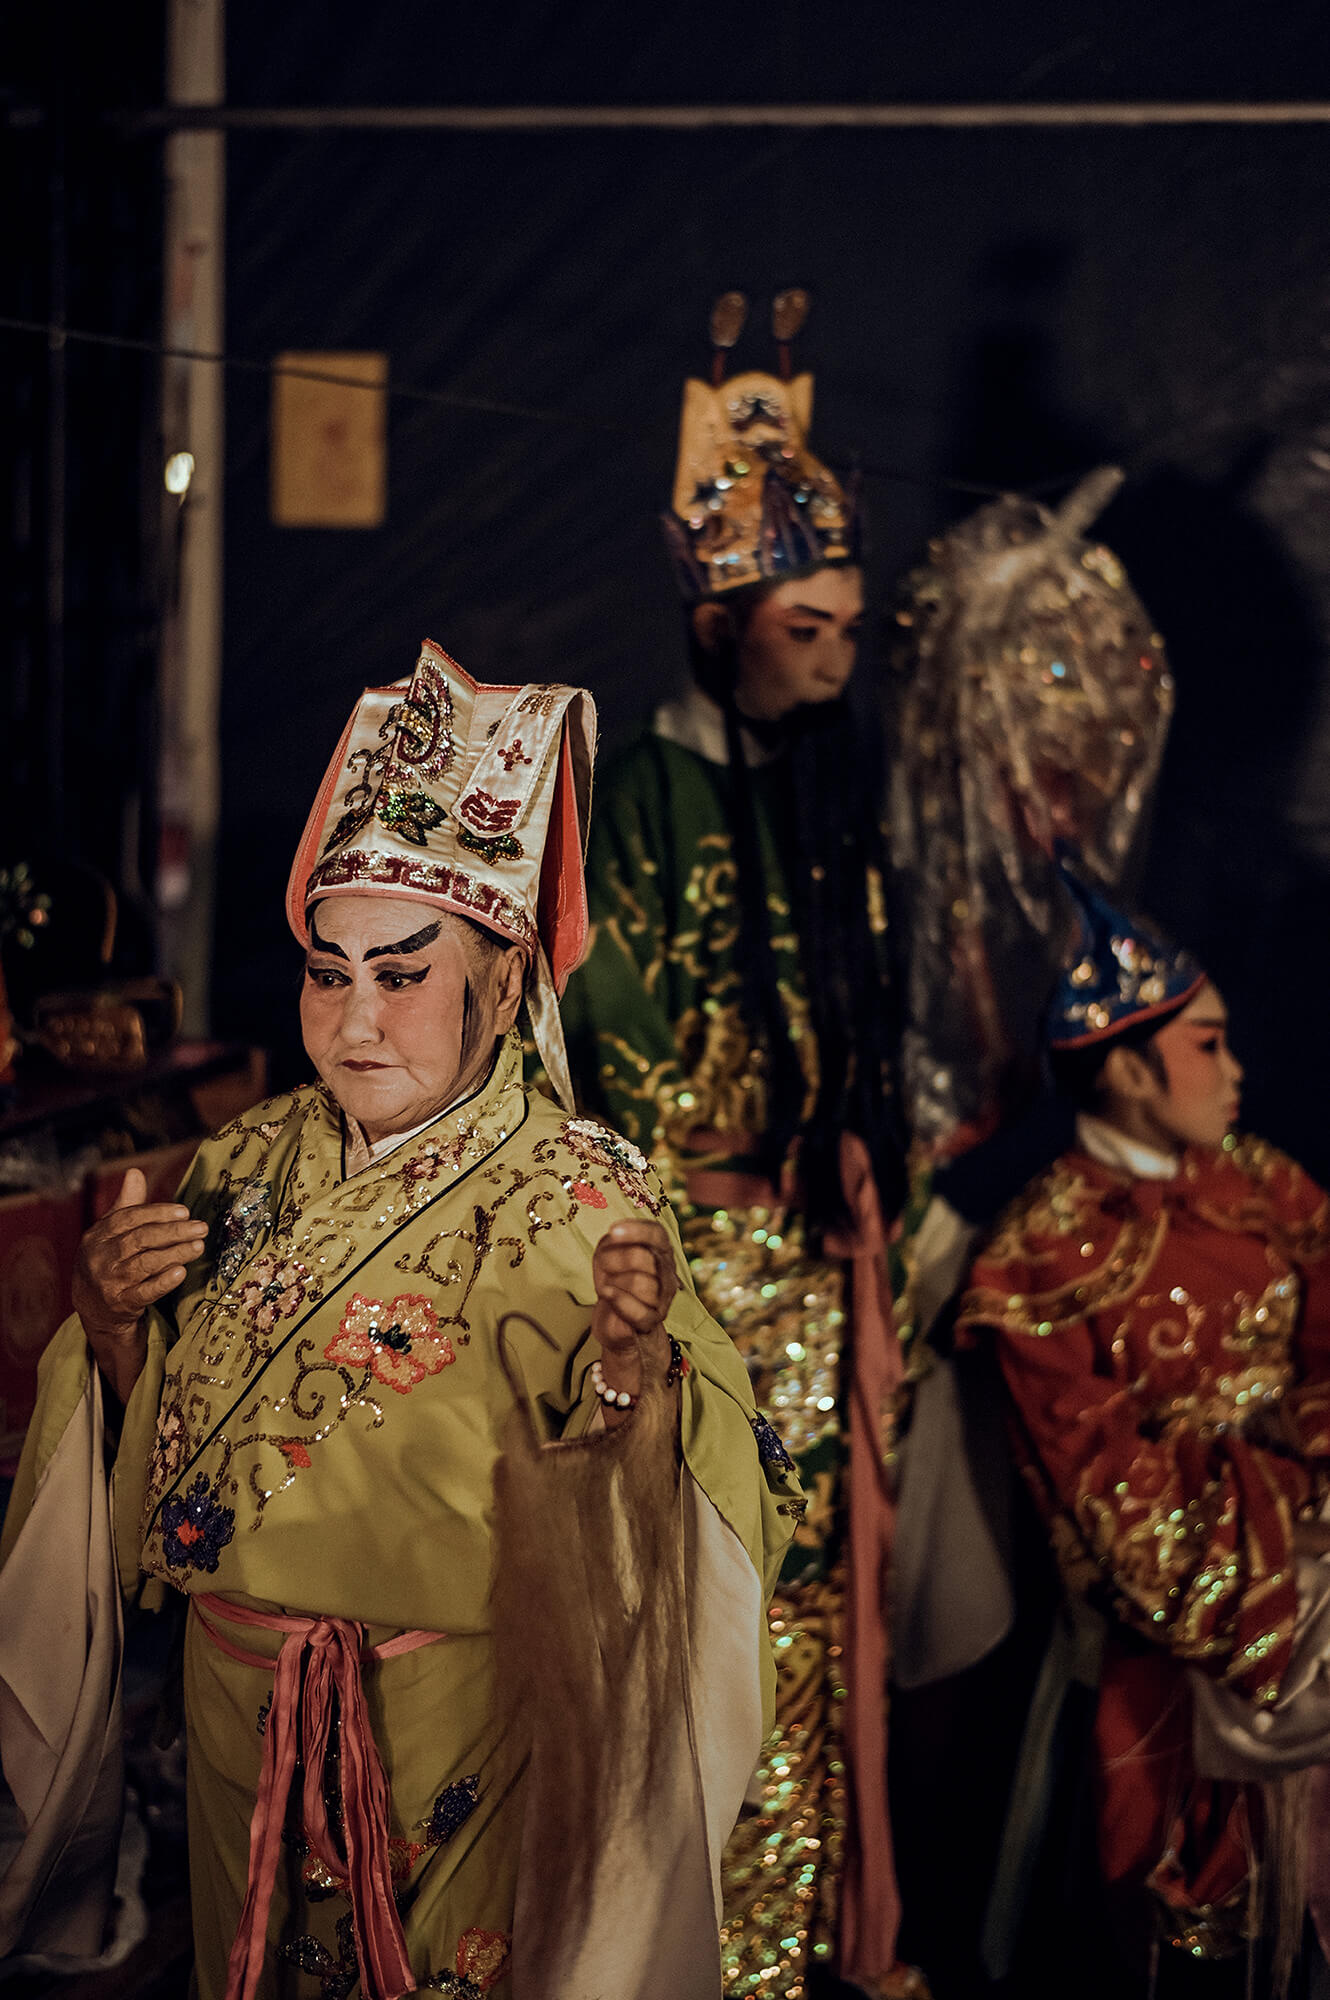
<point>411,1396</point>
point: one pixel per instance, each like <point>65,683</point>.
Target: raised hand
<point>134,1255</point>
<point>635,1279</point>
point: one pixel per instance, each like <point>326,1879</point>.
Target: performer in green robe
<point>733,1019</point>
<point>423,1722</point>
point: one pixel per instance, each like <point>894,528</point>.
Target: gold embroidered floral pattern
<point>1149,1335</point>
<point>411,813</point>
<point>1115,1252</point>
<point>432,1157</point>
<point>256,1408</point>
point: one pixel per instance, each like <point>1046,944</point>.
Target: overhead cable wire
<point>450,399</point>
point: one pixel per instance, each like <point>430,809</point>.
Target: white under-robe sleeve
<point>61,1737</point>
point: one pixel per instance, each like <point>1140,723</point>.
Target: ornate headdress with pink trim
<point>475,799</point>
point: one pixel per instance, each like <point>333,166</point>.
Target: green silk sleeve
<point>620,1036</point>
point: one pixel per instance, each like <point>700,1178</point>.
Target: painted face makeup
<point>1204,1089</point>
<point>800,644</point>
<point>395,1018</point>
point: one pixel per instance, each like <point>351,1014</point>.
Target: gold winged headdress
<point>752,504</point>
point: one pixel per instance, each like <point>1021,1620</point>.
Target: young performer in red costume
<point>1160,1304</point>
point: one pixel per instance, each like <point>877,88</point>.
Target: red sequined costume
<point>1146,1329</point>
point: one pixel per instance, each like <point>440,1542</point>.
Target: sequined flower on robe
<point>397,1340</point>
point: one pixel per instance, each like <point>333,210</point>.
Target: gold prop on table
<point>112,1030</point>
<point>24,909</point>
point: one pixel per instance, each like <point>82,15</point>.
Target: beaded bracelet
<point>617,1399</point>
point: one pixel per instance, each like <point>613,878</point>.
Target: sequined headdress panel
<point>752,504</point>
<point>1122,972</point>
<point>1032,703</point>
<point>474,799</point>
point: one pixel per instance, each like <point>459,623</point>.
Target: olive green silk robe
<point>316,1432</point>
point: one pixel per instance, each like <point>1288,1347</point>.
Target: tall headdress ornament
<point>475,799</point>
<point>1122,972</point>
<point>1034,698</point>
<point>752,504</point>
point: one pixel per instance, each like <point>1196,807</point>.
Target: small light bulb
<point>178,472</point>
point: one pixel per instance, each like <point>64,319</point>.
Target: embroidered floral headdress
<point>1122,972</point>
<point>473,798</point>
<point>751,502</point>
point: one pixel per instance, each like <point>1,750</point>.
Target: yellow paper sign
<point>329,457</point>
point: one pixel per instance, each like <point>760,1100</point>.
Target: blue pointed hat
<point>1123,972</point>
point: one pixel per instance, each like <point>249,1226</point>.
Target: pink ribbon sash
<point>320,1659</point>
<point>870,1909</point>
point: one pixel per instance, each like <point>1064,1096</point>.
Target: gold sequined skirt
<point>781,1870</point>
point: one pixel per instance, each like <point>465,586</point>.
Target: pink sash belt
<point>319,1659</point>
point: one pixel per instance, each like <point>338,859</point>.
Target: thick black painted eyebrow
<point>321,944</point>
<point>811,611</point>
<point>416,942</point>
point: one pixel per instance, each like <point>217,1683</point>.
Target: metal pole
<point>721,117</point>
<point>192,424</point>
<point>57,426</point>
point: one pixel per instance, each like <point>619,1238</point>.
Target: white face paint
<point>1204,1091</point>
<point>800,643</point>
<point>1198,1095</point>
<point>384,1008</point>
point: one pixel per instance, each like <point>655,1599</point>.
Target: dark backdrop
<point>1006,306</point>
<point>80,473</point>
<point>1009,306</point>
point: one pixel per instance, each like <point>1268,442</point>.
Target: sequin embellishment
<point>336,1976</point>
<point>769,1447</point>
<point>482,1957</point>
<point>595,1142</point>
<point>452,1809</point>
<point>396,1340</point>
<point>783,1863</point>
<point>273,1290</point>
<point>195,1528</point>
<point>485,826</point>
<point>413,814</point>
<point>248,1217</point>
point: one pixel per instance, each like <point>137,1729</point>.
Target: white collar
<point>361,1154</point>
<point>697,723</point>
<point>1113,1147</point>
